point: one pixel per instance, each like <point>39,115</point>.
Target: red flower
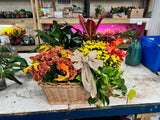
<point>121,54</point>
<point>33,58</point>
<point>114,50</point>
<point>117,42</point>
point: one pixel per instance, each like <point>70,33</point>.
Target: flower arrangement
<point>91,63</point>
<point>15,33</point>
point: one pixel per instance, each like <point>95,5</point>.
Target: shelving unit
<point>76,20</point>
<point>17,20</point>
<point>32,21</point>
<point>41,21</point>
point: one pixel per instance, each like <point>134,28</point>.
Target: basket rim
<point>49,84</point>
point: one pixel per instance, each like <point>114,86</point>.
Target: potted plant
<point>7,51</point>
<point>8,67</point>
<point>15,34</point>
<point>12,15</point>
<point>99,11</point>
<point>28,40</point>
<point>23,13</point>
<point>29,14</point>
<point>1,14</point>
<point>131,34</point>
<point>16,12</point>
<point>7,14</point>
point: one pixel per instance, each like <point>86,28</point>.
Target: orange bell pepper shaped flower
<point>65,68</point>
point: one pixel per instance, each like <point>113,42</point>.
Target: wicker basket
<point>64,93</point>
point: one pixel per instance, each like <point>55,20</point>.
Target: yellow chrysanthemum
<point>34,65</point>
<point>44,48</point>
<point>64,54</point>
<point>100,47</point>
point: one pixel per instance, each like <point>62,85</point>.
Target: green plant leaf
<point>77,40</point>
<point>108,70</point>
<point>92,100</point>
<point>105,78</point>
<point>115,82</point>
<point>119,74</point>
<point>124,90</point>
<point>22,61</point>
<point>10,70</point>
<point>47,38</point>
<point>11,77</point>
<point>78,77</point>
<point>99,107</point>
<point>121,83</point>
<point>1,69</point>
<point>115,95</point>
<point>107,100</point>
<point>131,94</point>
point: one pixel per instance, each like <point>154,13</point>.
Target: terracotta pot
<point>22,16</point>
<point>17,16</point>
<point>2,83</point>
<point>7,16</point>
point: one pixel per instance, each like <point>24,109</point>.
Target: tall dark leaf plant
<point>60,35</point>
<point>89,27</point>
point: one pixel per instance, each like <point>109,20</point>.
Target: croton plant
<point>61,50</point>
<point>15,33</point>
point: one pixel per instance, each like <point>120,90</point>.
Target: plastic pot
<point>2,83</point>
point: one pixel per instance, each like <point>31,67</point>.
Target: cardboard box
<point>135,13</point>
<point>67,12</point>
<point>75,15</point>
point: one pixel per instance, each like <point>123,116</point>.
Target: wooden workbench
<point>28,101</point>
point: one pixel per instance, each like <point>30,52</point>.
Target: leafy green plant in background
<point>10,66</point>
<point>132,33</point>
<point>60,35</point>
<point>6,48</point>
<point>99,9</point>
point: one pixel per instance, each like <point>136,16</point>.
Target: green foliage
<point>6,48</point>
<point>10,66</point>
<point>49,76</point>
<point>1,69</point>
<point>131,94</point>
<point>99,9</point>
<point>132,32</point>
<point>60,35</point>
<point>107,80</point>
